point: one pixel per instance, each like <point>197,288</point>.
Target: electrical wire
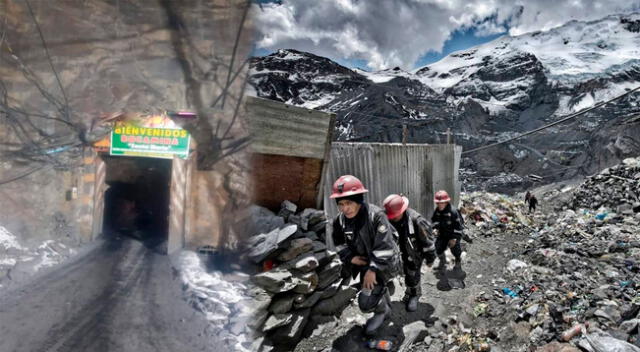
<point>24,174</point>
<point>567,118</point>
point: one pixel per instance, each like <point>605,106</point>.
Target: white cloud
<point>389,33</point>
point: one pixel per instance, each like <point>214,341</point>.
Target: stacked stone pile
<point>300,278</point>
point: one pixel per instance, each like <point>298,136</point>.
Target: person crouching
<point>365,242</point>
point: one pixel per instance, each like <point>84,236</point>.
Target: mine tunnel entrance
<point>136,201</point>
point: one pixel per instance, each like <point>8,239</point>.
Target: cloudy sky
<point>378,34</point>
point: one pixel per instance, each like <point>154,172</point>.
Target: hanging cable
<point>569,117</point>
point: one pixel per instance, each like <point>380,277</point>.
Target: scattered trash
<point>571,333</point>
<point>382,345</point>
<point>507,291</point>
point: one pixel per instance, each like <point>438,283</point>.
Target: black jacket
<point>415,234</point>
<point>448,222</point>
<point>369,235</point>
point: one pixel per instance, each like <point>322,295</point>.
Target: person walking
<point>533,202</point>
<point>416,244</point>
<point>448,223</point>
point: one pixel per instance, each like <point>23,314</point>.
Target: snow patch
<point>8,262</point>
<point>225,304</point>
<point>8,240</point>
<point>385,75</point>
<point>312,104</point>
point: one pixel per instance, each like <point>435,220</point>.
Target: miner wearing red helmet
<point>416,244</point>
<point>449,225</point>
<point>365,242</point>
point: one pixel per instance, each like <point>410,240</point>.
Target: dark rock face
<point>506,94</point>
<point>284,76</point>
<point>631,25</point>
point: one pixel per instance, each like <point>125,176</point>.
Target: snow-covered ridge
<point>385,75</point>
<point>575,51</point>
<point>569,54</point>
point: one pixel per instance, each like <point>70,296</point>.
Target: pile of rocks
<point>301,281</point>
<point>571,267</point>
<point>616,188</point>
<point>489,214</point>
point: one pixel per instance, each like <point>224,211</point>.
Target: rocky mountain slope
<point>486,94</point>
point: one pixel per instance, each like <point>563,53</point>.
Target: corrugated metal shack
<point>416,170</point>
<point>294,159</point>
<point>290,148</point>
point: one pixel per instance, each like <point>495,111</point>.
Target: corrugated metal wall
<point>416,170</point>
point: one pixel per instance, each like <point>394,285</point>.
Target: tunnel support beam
<point>177,204</point>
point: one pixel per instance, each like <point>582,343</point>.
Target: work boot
<point>458,263</point>
<point>442,263</point>
<point>412,304</point>
<point>381,313</point>
<point>467,238</point>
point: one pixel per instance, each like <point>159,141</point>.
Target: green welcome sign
<point>129,140</point>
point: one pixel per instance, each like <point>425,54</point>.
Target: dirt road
<point>121,296</point>
<point>447,294</point>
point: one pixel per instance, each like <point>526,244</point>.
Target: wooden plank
<point>99,188</point>
<point>282,129</point>
<point>177,205</point>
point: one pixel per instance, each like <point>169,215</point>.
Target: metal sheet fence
<point>415,170</point>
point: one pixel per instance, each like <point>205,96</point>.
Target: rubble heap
<point>573,277</point>
<point>301,279</point>
<point>489,214</point>
<point>577,269</point>
<point>616,188</point>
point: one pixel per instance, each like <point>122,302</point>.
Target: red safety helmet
<point>347,185</point>
<point>442,197</point>
<point>395,205</point>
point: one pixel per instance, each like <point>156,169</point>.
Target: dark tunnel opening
<point>137,198</point>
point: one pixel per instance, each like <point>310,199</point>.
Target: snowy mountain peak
<point>571,53</point>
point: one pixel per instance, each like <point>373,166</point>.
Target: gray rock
<point>296,247</point>
<point>303,223</point>
<point>263,245</point>
<point>266,347</point>
<point>310,301</point>
<point>303,263</point>
<point>289,206</point>
<point>331,290</point>
<point>291,333</point>
<point>608,312</point>
<point>319,227</point>
<point>282,303</point>
<point>262,220</point>
<point>329,274</point>
<point>629,326</point>
<point>319,246</point>
<point>336,303</point>
<point>276,280</point>
<point>277,320</point>
<point>287,209</point>
<point>323,258</point>
<point>306,283</point>
<point>314,216</point>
